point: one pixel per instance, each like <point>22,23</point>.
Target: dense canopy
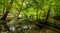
<point>41,13</point>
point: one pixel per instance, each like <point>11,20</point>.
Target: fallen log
<point>45,26</point>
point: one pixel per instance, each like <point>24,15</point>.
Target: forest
<point>29,16</point>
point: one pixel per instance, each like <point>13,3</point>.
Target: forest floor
<point>33,31</point>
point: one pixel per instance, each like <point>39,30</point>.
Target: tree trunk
<point>5,15</point>
<point>48,13</point>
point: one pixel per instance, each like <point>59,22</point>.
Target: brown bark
<point>45,26</point>
<point>5,15</point>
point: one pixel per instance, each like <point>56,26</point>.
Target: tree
<point>5,15</point>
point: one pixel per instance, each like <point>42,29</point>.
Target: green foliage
<point>32,7</point>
